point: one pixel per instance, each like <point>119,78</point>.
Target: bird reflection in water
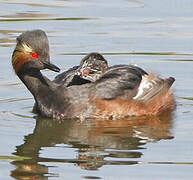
<point>98,142</point>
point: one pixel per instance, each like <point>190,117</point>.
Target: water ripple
<point>14,99</point>
<point>136,53</point>
<point>47,19</point>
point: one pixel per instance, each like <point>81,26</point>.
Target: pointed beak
<point>51,67</point>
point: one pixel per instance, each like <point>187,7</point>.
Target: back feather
<point>118,81</point>
<point>151,86</point>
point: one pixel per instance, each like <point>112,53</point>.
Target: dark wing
<point>66,77</point>
<point>118,81</point>
<point>138,69</point>
<point>77,80</point>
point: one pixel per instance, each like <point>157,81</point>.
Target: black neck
<point>36,82</point>
<point>41,87</point>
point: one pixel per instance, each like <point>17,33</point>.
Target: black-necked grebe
<point>119,92</point>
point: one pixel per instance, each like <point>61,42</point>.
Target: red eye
<point>34,55</point>
<point>86,73</point>
<point>105,66</point>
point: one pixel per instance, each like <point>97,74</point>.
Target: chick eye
<point>34,55</point>
<point>86,73</point>
<point>90,65</point>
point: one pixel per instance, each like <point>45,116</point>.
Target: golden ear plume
<point>21,55</point>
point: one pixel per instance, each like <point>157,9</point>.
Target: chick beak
<point>51,67</point>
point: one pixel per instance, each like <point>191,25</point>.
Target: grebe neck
<point>40,87</point>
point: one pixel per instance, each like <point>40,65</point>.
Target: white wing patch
<point>150,87</point>
<point>144,85</point>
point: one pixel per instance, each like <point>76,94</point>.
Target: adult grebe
<point>119,92</point>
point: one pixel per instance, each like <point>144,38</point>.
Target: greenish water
<point>156,35</point>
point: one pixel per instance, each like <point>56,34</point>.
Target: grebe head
<point>32,52</point>
<point>92,66</point>
<point>94,58</point>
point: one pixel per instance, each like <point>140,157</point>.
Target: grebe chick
<point>90,69</point>
<point>113,95</point>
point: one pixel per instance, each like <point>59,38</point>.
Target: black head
<point>32,49</point>
<point>92,66</point>
<point>94,58</point>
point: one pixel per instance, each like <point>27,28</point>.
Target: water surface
<point>156,35</point>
